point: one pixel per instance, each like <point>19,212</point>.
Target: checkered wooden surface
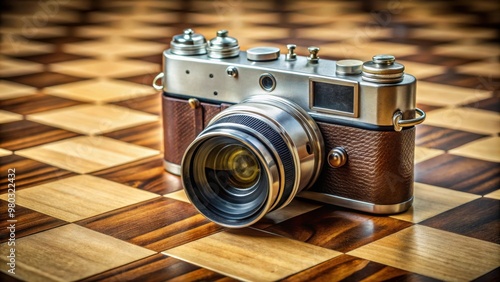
<point>80,123</point>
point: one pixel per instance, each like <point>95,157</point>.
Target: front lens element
<point>234,166</point>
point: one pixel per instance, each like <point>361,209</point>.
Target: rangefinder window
<point>334,97</point>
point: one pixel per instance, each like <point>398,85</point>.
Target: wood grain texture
<point>479,219</point>
<point>487,149</point>
<point>348,268</point>
<point>435,253</point>
<point>466,119</point>
<point>147,135</point>
<point>69,253</point>
<point>147,174</point>
<point>44,79</point>
<point>87,154</point>
<point>29,172</point>
<point>443,138</point>
<point>248,254</point>
<point>93,119</point>
<point>337,229</point>
<point>159,268</point>
<point>6,117</point>
<point>78,197</point>
<point>24,134</point>
<point>36,103</point>
<point>463,174</point>
<point>28,222</point>
<point>158,224</point>
<point>150,104</point>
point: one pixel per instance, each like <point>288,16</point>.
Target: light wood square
<point>434,253</point>
<point>447,33</point>
<point>362,48</point>
<point>79,197</point>
<point>178,195</point>
<point>128,29</point>
<point>466,119</point>
<point>69,253</point>
<point>93,119</point>
<point>12,67</point>
<point>4,152</point>
<point>100,90</point>
<point>488,69</point>
<point>10,90</point>
<point>248,254</point>
<point>87,153</point>
<point>15,45</point>
<point>104,68</point>
<point>494,195</point>
<point>337,31</point>
<point>420,70</point>
<point>114,47</point>
<point>432,200</point>
<point>487,149</point>
<point>422,153</point>
<point>445,95</point>
<point>469,50</point>
<point>9,117</point>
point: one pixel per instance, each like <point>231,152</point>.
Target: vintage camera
<point>249,131</point>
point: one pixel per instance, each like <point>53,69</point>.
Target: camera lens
<point>252,158</point>
<point>267,82</point>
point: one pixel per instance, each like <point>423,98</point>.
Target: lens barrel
<point>252,158</point>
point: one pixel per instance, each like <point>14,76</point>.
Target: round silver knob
<point>313,54</point>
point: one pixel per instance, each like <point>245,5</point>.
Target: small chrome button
<point>349,67</point>
<point>337,157</point>
<point>260,54</point>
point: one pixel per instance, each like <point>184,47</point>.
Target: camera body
<point>365,114</point>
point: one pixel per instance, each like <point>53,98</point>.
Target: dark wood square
<point>147,174</point>
<point>349,268</point>
<point>145,79</point>
<point>53,58</point>
<point>29,172</point>
<point>150,104</point>
<point>23,134</point>
<point>44,79</point>
<point>459,173</point>
<point>28,222</point>
<point>159,267</point>
<point>479,219</point>
<point>434,59</point>
<point>158,224</point>
<point>490,104</point>
<point>337,228</point>
<point>460,80</point>
<point>37,103</point>
<point>443,138</point>
<point>148,135</point>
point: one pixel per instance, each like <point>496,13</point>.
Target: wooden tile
<point>100,91</point>
<point>114,48</point>
<point>494,195</point>
<point>423,153</point>
<point>420,71</point>
<point>433,59</point>
<point>348,268</point>
<point>443,138</point>
<point>158,224</point>
<point>93,119</point>
<point>145,78</point>
<point>459,173</point>
<point>87,154</point>
<point>295,208</point>
<point>23,134</point>
<point>467,119</point>
<point>129,29</point>
<point>483,68</point>
<point>53,58</point>
<point>148,135</point>
<point>364,51</point>
<point>490,104</point>
<point>6,117</point>
<point>12,67</point>
<point>102,68</point>
<point>44,79</point>
<point>479,219</point>
<point>431,200</point>
<point>147,174</point>
<point>337,228</point>
<point>78,197</point>
<point>179,195</point>
<point>4,152</point>
<point>450,34</point>
<point>469,50</point>
<point>474,82</point>
<point>69,253</point>
<point>29,172</point>
<point>27,222</point>
<point>447,95</point>
<point>435,253</point>
<point>159,268</point>
<point>150,104</point>
<point>490,276</point>
<point>487,149</point>
<point>32,104</point>
<point>248,254</point>
<point>9,90</point>
<point>16,45</point>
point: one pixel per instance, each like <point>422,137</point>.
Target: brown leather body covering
<point>379,167</point>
